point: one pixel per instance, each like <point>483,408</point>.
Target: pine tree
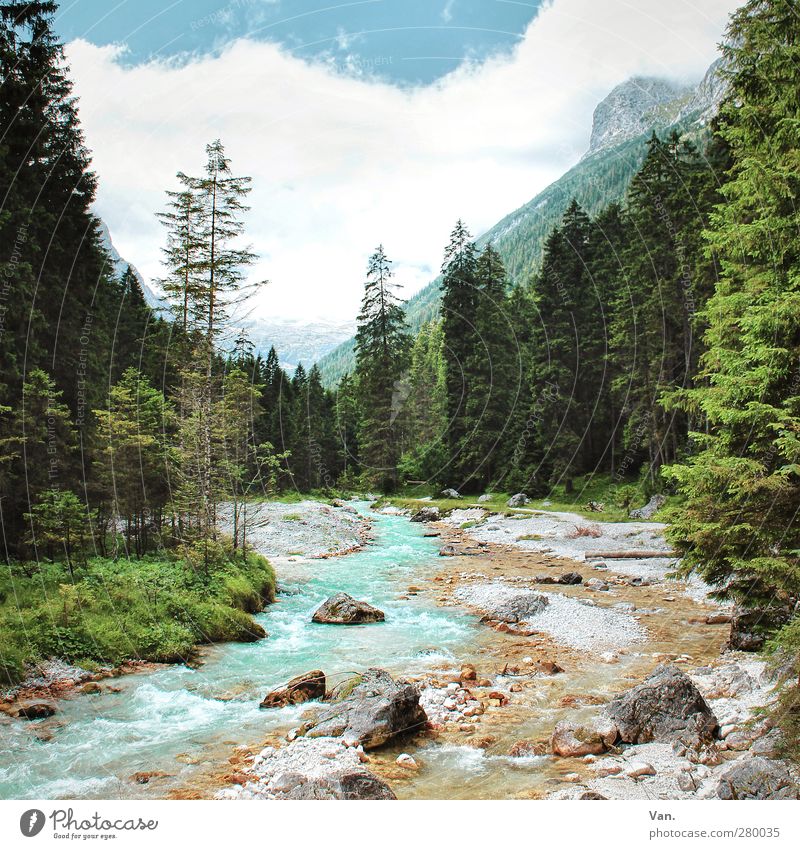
<point>459,306</point>
<point>738,528</point>
<point>493,374</point>
<point>382,346</point>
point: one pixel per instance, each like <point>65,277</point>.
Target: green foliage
<point>738,528</point>
<point>382,348</point>
<point>150,608</point>
<point>58,527</point>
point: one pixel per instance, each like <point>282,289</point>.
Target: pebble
<point>639,769</point>
<point>405,760</point>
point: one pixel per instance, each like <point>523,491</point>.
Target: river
<point>177,719</point>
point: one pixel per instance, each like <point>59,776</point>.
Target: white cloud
<point>340,164</point>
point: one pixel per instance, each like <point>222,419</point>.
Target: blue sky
<point>402,41</point>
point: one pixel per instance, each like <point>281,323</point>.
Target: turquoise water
<point>176,719</point>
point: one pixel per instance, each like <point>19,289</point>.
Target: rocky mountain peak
<point>633,107</point>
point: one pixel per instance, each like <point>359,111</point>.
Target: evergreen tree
<point>459,316</point>
<point>742,487</point>
<point>493,374</point>
<point>382,345</point>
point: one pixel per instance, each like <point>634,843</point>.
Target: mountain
<point>622,123</point>
<point>154,300</point>
<point>295,341</point>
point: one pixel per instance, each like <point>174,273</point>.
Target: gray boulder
<point>303,688</point>
<point>757,778</point>
<point>518,500</point>
<point>342,609</point>
<point>427,514</point>
<point>376,710</point>
<point>650,509</point>
<point>487,496</point>
<point>518,607</point>
<point>349,784</point>
<point>661,707</point>
<point>450,493</point>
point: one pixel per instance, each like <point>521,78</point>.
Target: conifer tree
<point>382,346</point>
<point>459,316</point>
<point>739,527</point>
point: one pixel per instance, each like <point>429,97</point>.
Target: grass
<point>156,608</point>
<point>616,498</point>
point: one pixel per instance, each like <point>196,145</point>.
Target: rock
<point>91,688</point>
<point>596,584</point>
<point>570,578</point>
<point>518,500</point>
<point>740,741</point>
<point>342,609</point>
<point>751,626</point>
<point>663,705</point>
<point>518,606</point>
<point>487,496</point>
<point>527,749</point>
<point>571,740</point>
<point>33,710</point>
<point>649,509</point>
<point>718,619</point>
<point>548,667</point>
<point>448,551</point>
<point>427,514</point>
<point>688,782</point>
<point>572,777</point>
<point>303,688</point>
<point>545,579</point>
<point>639,769</point>
<point>593,794</point>
<point>147,777</point>
<point>756,778</point>
<point>348,784</point>
<point>468,672</point>
<point>406,761</point>
<point>450,493</point>
<point>377,710</point>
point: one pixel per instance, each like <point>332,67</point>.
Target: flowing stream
<point>178,719</point>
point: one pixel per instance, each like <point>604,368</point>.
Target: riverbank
<point>563,635</point>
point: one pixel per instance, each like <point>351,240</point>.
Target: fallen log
<point>633,554</point>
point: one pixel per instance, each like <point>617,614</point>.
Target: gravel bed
<point>571,622</point>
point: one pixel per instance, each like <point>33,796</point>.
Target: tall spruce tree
<point>739,527</point>
<point>459,306</point>
<point>382,348</point>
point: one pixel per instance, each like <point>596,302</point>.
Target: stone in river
<point>303,688</point>
<point>342,609</point>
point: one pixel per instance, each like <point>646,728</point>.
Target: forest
<point>655,349</point>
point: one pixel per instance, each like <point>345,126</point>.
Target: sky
<point>379,121</point>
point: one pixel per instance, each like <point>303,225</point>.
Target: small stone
<point>572,777</point>
<point>406,761</point>
<point>639,769</point>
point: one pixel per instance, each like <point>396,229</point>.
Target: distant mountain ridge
<point>622,123</point>
<point>295,341</point>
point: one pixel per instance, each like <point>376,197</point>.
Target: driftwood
<point>629,555</point>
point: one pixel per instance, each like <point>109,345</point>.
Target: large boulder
<point>376,710</point>
<point>661,707</point>
<point>572,740</point>
<point>427,514</point>
<point>757,778</point>
<point>342,609</point>
<point>303,688</point>
<point>450,493</point>
<point>518,607</point>
<point>518,500</point>
<point>487,496</point>
<point>650,509</point>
